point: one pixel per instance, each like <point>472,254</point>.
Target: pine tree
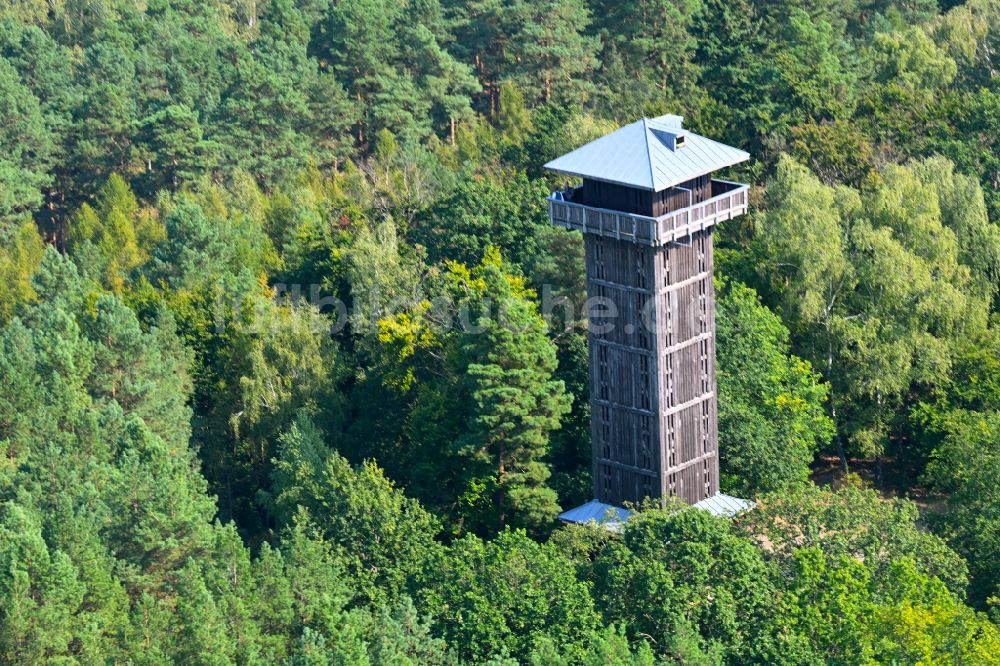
<point>99,141</point>
<point>145,372</point>
<point>25,150</point>
<point>156,495</point>
<point>402,637</point>
<point>20,257</point>
<point>552,50</point>
<point>516,402</point>
<point>653,39</point>
<point>200,634</point>
<point>41,598</point>
<point>386,537</point>
<point>302,596</point>
<point>178,151</point>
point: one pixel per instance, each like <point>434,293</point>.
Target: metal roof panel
<point>606,515</point>
<point>639,155</point>
<point>724,505</point>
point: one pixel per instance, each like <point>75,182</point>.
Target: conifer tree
<point>386,537</point>
<point>25,149</point>
<point>403,637</point>
<point>552,50</point>
<point>653,39</point>
<point>20,257</point>
<point>115,234</point>
<point>516,402</point>
<point>41,598</point>
<point>302,598</point>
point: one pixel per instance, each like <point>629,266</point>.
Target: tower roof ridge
<point>649,156</point>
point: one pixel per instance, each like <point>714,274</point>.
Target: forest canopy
<point>256,408</point>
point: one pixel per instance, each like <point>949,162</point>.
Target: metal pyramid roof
<point>605,515</point>
<point>645,155</point>
<point>724,505</point>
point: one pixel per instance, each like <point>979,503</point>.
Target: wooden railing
<point>667,228</point>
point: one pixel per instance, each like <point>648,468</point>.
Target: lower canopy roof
<point>605,515</point>
<point>614,518</point>
<point>724,505</point>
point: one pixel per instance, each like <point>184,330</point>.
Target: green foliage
<point>280,101</point>
<point>654,41</point>
<point>829,605</point>
<point>179,152</point>
<point>206,241</point>
<point>516,402</point>
<point>682,578</point>
<point>40,595</point>
<point>513,118</point>
<point>966,464</point>
<point>731,52</point>
<point>26,147</point>
<point>508,213</point>
<point>772,418</point>
<point>812,75</point>
<point>302,596</point>
<point>609,646</point>
<point>392,59</point>
<point>383,273</point>
<point>115,234</point>
<point>493,470</point>
<point>551,50</point>
<point>274,360</point>
<point>854,522</point>
<point>831,609</point>
<point>20,256</point>
<point>837,152</point>
<point>874,287</point>
<point>404,639</point>
<point>522,593</point>
<point>386,537</point>
<point>924,623</point>
<point>206,458</point>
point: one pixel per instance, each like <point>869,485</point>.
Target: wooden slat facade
<point>652,369</point>
<point>643,202</point>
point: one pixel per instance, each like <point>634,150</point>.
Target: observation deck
<point>569,209</point>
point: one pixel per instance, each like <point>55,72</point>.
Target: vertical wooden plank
<point>636,382</point>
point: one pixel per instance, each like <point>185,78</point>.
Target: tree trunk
<point>500,489</point>
<point>833,407</point>
<point>62,226</point>
<point>361,122</point>
<point>837,440</point>
<point>879,400</point>
<point>453,130</point>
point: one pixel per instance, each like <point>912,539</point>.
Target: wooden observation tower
<point>647,207</point>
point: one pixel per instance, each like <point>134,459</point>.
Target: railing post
<point>658,229</point>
